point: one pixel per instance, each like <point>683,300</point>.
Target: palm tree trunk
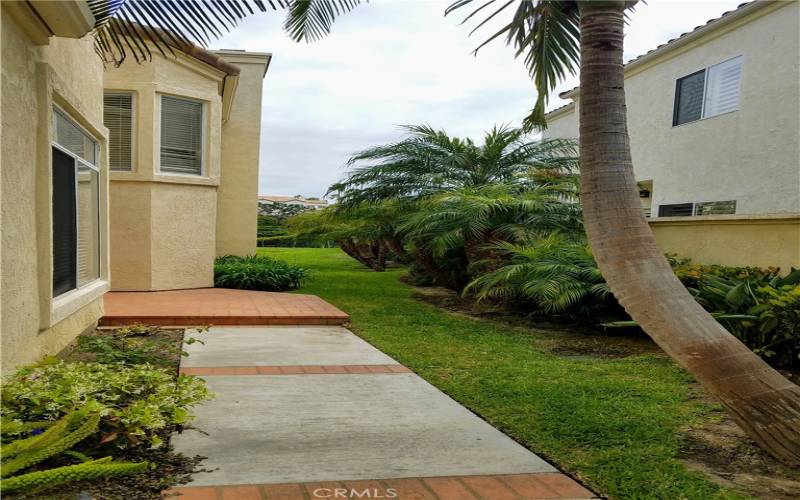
<point>761,401</point>
<point>396,247</point>
<point>352,250</point>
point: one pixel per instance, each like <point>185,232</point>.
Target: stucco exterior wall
<point>772,241</point>
<point>34,78</point>
<point>751,155</point>
<point>162,225</point>
<point>237,200</point>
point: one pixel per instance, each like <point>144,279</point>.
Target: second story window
<point>181,136</point>
<point>709,92</point>
<point>118,118</point>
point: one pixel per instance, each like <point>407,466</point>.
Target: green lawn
<point>613,423</point>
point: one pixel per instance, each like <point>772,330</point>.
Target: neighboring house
<point>129,178</point>
<point>297,201</point>
<point>714,121</point>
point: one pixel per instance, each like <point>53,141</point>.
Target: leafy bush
<point>256,272</point>
<point>763,307</point>
<point>134,401</point>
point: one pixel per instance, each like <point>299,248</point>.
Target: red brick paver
<point>218,306</point>
<point>206,371</point>
<point>513,486</point>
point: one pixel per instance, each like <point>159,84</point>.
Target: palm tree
<point>454,230</point>
<point>429,161</point>
<point>553,37</point>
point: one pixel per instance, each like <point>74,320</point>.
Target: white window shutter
<point>118,118</point>
<point>181,135</point>
<point>723,82</point>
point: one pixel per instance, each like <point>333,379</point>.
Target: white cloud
<point>401,62</point>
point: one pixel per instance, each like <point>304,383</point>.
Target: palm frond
<point>132,28</point>
<point>311,20</point>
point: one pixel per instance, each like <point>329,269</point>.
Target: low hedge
<point>256,272</point>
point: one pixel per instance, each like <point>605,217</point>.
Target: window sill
<point>186,179</point>
<point>68,303</point>
<point>705,118</point>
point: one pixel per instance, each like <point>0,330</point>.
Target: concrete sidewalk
<point>316,412</point>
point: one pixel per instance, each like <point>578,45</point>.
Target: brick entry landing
<point>218,306</point>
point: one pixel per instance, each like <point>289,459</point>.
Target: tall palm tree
<point>429,161</point>
<point>554,37</point>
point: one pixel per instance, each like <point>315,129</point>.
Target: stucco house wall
<point>163,226</point>
<point>237,208</point>
<point>750,155</point>
<point>35,77</point>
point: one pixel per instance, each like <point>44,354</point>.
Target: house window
<point>676,210</point>
<point>181,136</point>
<point>118,118</point>
<point>700,208</point>
<point>709,92</point>
<point>76,206</point>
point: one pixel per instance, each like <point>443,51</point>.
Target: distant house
<point>298,201</point>
<point>115,178</point>
<point>714,121</point>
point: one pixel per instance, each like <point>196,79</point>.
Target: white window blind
<point>181,135</point>
<point>70,136</point>
<point>722,87</point>
<point>118,118</point>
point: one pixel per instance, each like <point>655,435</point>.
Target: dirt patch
<point>559,336</point>
<point>723,452</point>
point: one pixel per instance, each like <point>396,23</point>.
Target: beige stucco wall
<point>732,240</point>
<point>237,200</point>
<point>751,155</point>
<point>163,225</point>
<point>34,78</point>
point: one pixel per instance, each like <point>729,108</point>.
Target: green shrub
<point>136,401</point>
<point>256,272</point>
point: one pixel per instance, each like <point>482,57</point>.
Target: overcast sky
<point>393,62</point>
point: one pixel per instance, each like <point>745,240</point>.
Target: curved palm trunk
<point>763,403</point>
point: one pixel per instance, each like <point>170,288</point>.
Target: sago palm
<point>429,161</point>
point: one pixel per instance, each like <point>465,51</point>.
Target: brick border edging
<point>187,321</point>
<point>538,485</point>
<point>204,371</point>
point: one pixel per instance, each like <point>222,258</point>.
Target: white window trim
<point>64,301</point>
<point>203,138</point>
<point>134,129</point>
<point>694,208</point>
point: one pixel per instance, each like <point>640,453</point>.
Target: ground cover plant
<point>127,379</point>
<point>619,422</point>
<point>257,272</point>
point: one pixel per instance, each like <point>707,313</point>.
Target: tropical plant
<point>367,233</point>
<point>555,274</point>
<point>467,222</point>
<point>257,272</point>
<point>136,401</point>
<point>429,161</point>
<point>48,440</point>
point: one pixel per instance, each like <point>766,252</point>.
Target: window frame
<point>134,135</point>
<point>705,92</point>
<point>203,136</point>
<point>694,205</point>
<point>79,288</point>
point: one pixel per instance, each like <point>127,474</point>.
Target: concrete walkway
<point>316,412</point>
